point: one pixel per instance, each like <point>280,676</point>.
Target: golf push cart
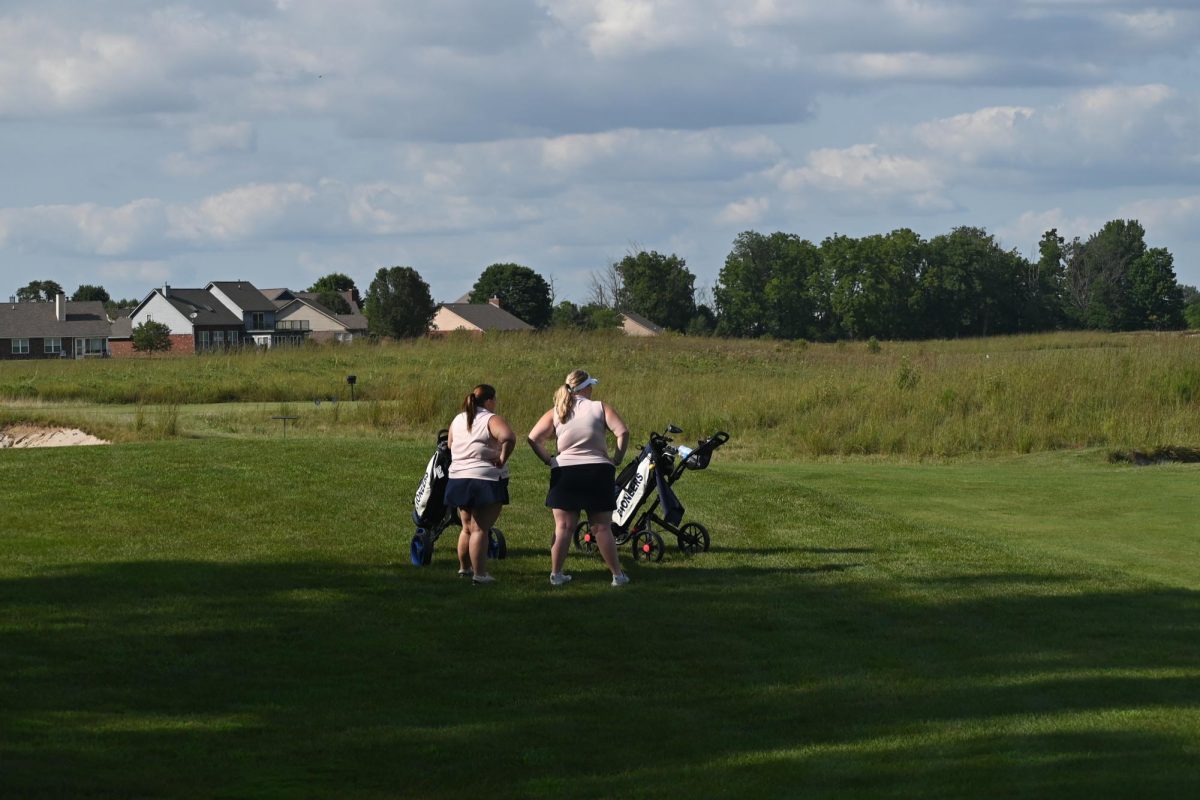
<point>655,470</point>
<point>431,515</point>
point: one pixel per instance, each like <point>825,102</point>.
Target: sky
<point>276,141</point>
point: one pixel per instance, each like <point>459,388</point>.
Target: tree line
<point>896,285</point>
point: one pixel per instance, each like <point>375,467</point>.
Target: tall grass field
<point>926,579</point>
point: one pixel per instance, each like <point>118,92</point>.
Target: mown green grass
<point>1017,394</point>
<point>237,618</point>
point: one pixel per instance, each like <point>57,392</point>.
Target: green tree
<point>89,292</point>
<point>39,291</point>
<point>567,315</point>
<point>399,303</point>
<point>1097,276</point>
<point>335,284</point>
<point>741,287</point>
<point>523,293</point>
<point>659,287</point>
<point>772,285</point>
<point>600,318</point>
<point>151,337</point>
<point>1155,297</point>
<point>1191,305</point>
<point>704,323</point>
<point>969,286</point>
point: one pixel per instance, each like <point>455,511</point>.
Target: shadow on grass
<point>331,679</point>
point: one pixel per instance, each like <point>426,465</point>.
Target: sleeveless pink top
<point>581,439</point>
<point>474,452</point>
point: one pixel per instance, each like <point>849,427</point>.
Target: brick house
<point>198,322</point>
<point>61,329</point>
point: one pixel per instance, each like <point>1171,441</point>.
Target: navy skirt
<point>476,492</point>
<point>583,487</point>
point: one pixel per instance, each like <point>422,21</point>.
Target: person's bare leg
<point>601,526</point>
<point>564,525</point>
<point>483,518</point>
<point>464,539</point>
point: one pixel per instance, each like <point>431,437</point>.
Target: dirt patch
<point>37,436</point>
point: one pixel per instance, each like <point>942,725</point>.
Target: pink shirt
<point>474,452</point>
<point>581,439</point>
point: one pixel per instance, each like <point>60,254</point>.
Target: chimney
<point>166,290</point>
<point>495,301</point>
<point>60,307</point>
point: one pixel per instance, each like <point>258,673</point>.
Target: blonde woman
<point>481,442</point>
<point>582,475</point>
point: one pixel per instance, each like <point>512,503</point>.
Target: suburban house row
<point>222,315</point>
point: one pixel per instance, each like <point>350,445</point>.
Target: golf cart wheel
<point>693,538</point>
<point>648,546</point>
<point>585,540</point>
<point>497,546</point>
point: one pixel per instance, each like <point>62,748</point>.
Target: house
<point>309,318</point>
<point>62,329</point>
<point>197,319</point>
<point>476,318</point>
<point>304,311</point>
<point>257,313</point>
<point>637,325</point>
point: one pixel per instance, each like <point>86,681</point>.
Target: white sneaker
<point>478,579</point>
<point>620,580</point>
<point>558,579</point>
<point>465,573</point>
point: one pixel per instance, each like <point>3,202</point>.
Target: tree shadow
<point>182,678</point>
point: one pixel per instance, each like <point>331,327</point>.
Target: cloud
<point>860,177</point>
<point>744,212</point>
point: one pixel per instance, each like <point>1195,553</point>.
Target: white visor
<point>584,385</point>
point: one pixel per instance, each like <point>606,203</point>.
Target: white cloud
<point>861,177</point>
<point>744,212</point>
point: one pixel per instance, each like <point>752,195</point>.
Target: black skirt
<point>476,492</point>
<point>583,487</point>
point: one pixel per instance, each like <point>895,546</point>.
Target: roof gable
<point>244,294</point>
<point>487,317</point>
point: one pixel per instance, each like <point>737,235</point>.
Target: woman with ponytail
<point>582,475</point>
<point>480,443</point>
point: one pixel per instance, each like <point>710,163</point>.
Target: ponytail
<point>564,396</point>
<point>475,400</point>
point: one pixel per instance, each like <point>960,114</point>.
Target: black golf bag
<point>430,513</point>
<point>649,478</point>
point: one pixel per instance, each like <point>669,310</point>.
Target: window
<point>204,340</point>
<point>20,347</point>
<point>52,346</point>
<point>258,320</point>
<point>97,346</point>
<point>218,338</point>
<point>233,337</point>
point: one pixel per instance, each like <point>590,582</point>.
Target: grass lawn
<point>238,618</point>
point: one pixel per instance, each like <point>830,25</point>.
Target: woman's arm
<point>620,430</point>
<point>540,433</point>
<point>502,432</point>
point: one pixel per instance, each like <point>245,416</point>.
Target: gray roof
<point>277,295</point>
<point>245,295</point>
<point>208,310</point>
<point>122,328</point>
<point>353,322</point>
<point>85,319</point>
<point>488,317</point>
<point>640,320</point>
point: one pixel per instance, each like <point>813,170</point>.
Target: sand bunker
<point>35,436</point>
